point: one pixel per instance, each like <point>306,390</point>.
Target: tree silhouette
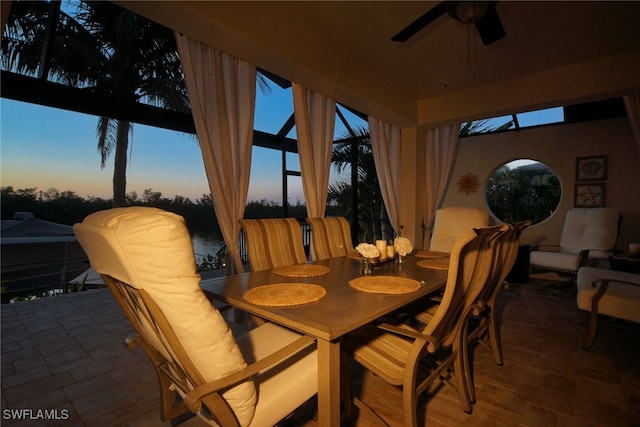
<point>105,49</point>
<point>372,213</point>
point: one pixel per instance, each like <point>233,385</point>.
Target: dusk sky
<point>45,147</point>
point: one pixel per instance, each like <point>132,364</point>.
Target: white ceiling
<point>554,53</point>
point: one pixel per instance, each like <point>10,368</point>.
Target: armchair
<point>587,233</point>
<point>145,257</point>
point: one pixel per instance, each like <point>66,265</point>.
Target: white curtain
<point>441,146</point>
<point>222,91</point>
<point>315,116</point>
<point>632,103</point>
<point>385,144</point>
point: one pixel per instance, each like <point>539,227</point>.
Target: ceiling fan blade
<point>417,25</point>
<point>489,26</point>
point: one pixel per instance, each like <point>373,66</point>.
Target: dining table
<point>339,308</point>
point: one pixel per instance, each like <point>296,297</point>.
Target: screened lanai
<point>38,80</point>
<point>409,120</point>
<point>422,107</point>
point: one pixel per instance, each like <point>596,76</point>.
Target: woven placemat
<point>301,270</point>
<point>284,294</point>
<point>435,263</point>
<point>431,254</point>
<point>385,284</point>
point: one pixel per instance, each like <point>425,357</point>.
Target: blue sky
<point>44,147</point>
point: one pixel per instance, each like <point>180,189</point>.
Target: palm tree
<point>105,49</point>
<point>475,127</point>
<point>371,211</point>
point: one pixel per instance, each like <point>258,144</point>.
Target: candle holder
<point>366,266</point>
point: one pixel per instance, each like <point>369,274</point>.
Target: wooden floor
<point>65,355</point>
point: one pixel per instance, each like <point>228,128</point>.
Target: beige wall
<point>558,146</point>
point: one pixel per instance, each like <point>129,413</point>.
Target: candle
<point>391,251</point>
<point>382,247</point>
<point>634,250</point>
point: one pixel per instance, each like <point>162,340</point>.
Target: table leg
<point>328,383</point>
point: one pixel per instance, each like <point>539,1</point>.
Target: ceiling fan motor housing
<point>480,13</point>
<point>468,12</point>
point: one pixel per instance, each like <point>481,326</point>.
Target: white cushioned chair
<point>145,257</point>
<point>587,233</point>
<point>451,223</point>
<point>609,292</point>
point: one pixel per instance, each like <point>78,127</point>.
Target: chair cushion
<point>557,261</point>
<point>280,394</point>
<point>381,352</point>
<point>451,223</point>
<point>151,249</point>
<point>590,228</point>
<point>330,237</point>
<point>273,242</point>
<point>621,300</point>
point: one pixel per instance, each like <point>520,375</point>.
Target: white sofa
<point>609,292</point>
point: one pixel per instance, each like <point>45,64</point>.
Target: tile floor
<point>64,355</point>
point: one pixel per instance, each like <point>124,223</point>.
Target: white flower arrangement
<point>368,250</point>
<point>403,245</point>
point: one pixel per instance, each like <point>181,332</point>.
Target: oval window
<point>523,189</point>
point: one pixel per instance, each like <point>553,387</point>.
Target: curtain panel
<point>385,144</point>
<point>632,104</point>
<point>441,146</point>
<point>315,116</point>
<point>222,92</point>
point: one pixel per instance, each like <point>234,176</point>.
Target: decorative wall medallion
<point>590,195</point>
<point>468,183</point>
<point>591,168</point>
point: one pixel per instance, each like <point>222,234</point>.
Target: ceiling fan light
<point>468,12</point>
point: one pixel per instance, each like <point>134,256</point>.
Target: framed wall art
<point>592,168</point>
<point>590,195</point>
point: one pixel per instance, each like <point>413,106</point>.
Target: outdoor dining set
<point>411,323</point>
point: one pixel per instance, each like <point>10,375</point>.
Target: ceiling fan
<point>481,13</point>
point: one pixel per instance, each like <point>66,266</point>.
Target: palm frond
<point>107,131</point>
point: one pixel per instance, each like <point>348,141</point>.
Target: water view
<point>206,243</point>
